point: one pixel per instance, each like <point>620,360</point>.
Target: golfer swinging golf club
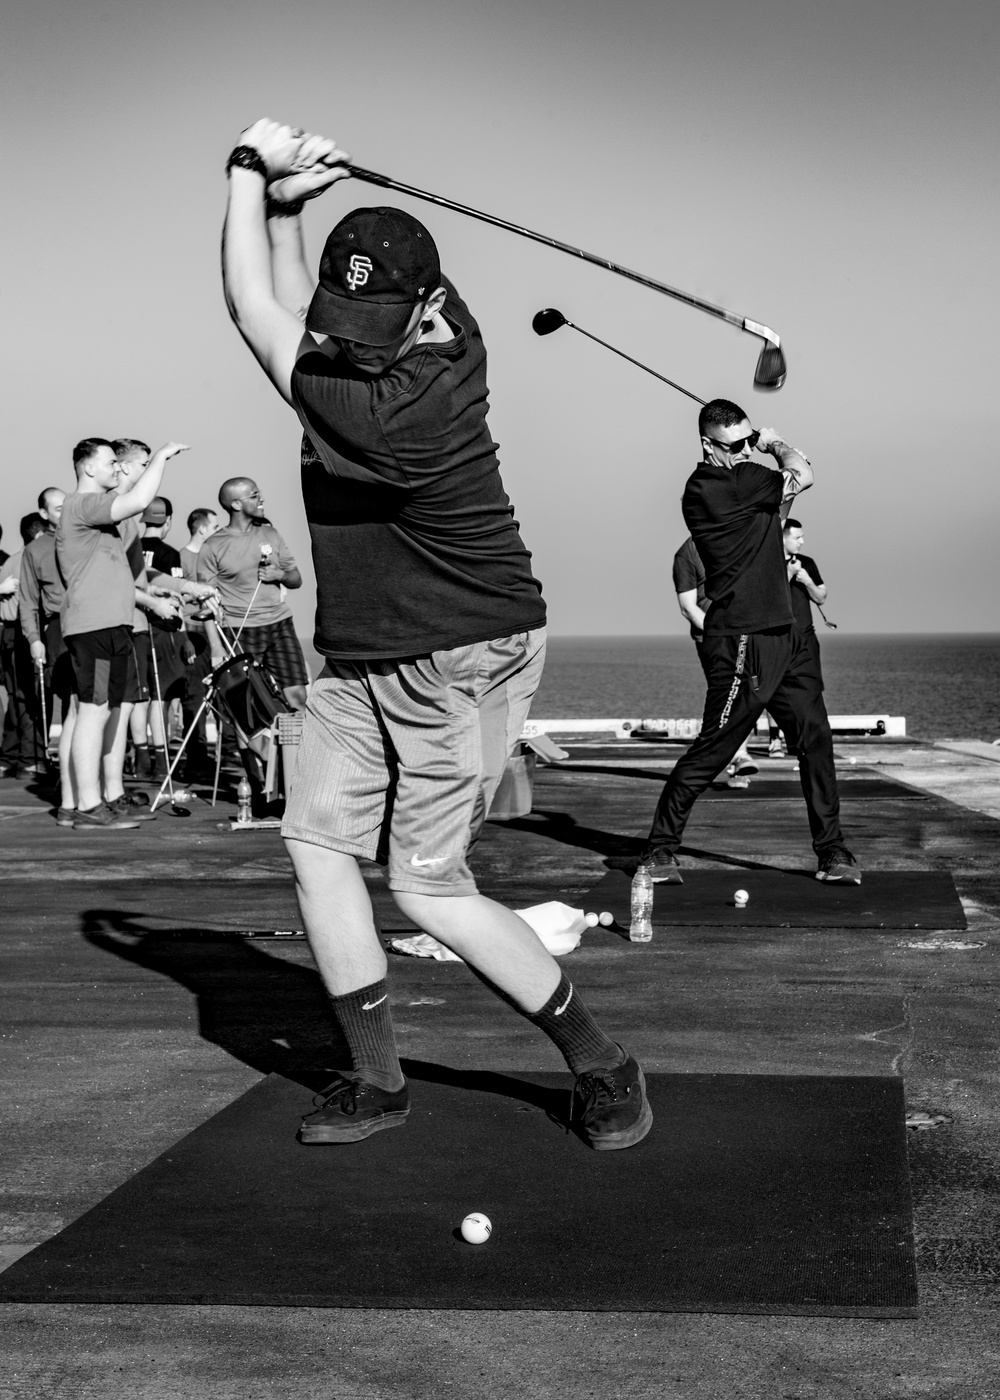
<point>752,655</point>
<point>427,612</point>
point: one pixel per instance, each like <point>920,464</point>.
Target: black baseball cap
<point>157,511</point>
<point>376,266</point>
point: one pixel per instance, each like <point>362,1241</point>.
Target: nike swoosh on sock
<point>370,1005</point>
<point>560,1009</point>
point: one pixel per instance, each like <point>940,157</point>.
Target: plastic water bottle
<point>641,927</point>
<point>244,793</point>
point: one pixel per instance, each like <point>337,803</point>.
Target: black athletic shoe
<point>610,1108</point>
<point>838,867</point>
<point>65,816</point>
<point>134,810</point>
<point>352,1110</point>
<point>663,867</point>
<point>101,818</point>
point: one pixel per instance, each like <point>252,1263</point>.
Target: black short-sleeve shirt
<point>689,573</point>
<point>414,539</point>
<point>801,602</point>
<point>164,559</point>
<point>733,516</point>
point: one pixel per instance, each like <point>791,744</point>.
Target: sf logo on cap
<point>360,267</point>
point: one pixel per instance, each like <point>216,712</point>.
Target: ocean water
<point>946,686</point>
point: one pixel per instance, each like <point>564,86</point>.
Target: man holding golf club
<point>427,612</point>
<point>754,657</point>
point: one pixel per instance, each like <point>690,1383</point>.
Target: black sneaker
<point>838,866</point>
<point>65,816</point>
<point>663,867</point>
<point>610,1108</point>
<point>102,818</point>
<point>132,809</point>
<point>352,1110</point>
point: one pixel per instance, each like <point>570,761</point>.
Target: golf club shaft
<point>163,716</point>
<point>177,756</point>
<point>731,317</point>
<point>653,372</point>
<point>253,600</point>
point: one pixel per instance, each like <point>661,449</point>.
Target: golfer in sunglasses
<point>753,655</point>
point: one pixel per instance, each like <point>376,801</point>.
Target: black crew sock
<point>366,1022</point>
<point>142,760</point>
<point>569,1025</point>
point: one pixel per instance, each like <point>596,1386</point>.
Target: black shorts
<point>100,664</point>
<point>167,648</point>
<point>137,687</point>
<point>277,649</point>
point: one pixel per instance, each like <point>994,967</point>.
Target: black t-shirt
<point>413,537</point>
<point>801,602</point>
<point>689,573</point>
<point>733,516</point>
<point>164,560</point>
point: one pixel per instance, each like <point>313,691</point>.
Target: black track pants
<point>778,671</point>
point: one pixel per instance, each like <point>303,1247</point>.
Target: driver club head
<point>178,811</point>
<point>545,322</point>
<point>771,368</point>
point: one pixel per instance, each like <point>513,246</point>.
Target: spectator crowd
<point>107,628</point>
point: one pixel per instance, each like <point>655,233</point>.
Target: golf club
<point>40,678</point>
<point>545,322</point>
<point>771,368</point>
<point>176,809</point>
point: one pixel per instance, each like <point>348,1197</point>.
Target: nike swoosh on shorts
<point>433,860</point>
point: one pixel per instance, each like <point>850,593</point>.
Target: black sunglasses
<point>738,446</point>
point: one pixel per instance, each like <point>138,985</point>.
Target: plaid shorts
<point>277,649</point>
<point>400,760</point>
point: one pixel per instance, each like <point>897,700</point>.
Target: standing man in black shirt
<point>427,612</point>
<point>754,657</point>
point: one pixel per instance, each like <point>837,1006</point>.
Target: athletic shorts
<point>137,686</point>
<point>400,760</point>
<point>277,649</point>
<point>57,660</point>
<point>172,672</point>
<point>100,664</point>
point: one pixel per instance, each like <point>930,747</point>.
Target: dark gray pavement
<point>117,1039</point>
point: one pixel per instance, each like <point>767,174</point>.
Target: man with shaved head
<point>249,562</point>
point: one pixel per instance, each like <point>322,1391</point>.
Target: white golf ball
<point>476,1228</point>
<point>591,921</point>
<point>741,896</point>
<point>852,760</point>
<point>606,919</point>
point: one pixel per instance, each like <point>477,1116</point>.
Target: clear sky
<point>827,169</point>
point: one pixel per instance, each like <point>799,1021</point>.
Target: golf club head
<point>771,368</point>
<point>545,322</point>
<point>177,811</point>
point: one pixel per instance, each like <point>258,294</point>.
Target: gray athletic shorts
<point>400,760</point>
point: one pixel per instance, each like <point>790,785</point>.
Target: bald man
<point>249,581</point>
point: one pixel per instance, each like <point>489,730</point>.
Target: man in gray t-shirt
<point>96,613</point>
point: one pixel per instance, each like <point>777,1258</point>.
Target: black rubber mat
<point>850,789</point>
<point>890,899</point>
<point>752,1194</point>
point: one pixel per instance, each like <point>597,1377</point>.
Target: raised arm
<point>794,465</point>
<point>264,276</point>
<point>134,502</point>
